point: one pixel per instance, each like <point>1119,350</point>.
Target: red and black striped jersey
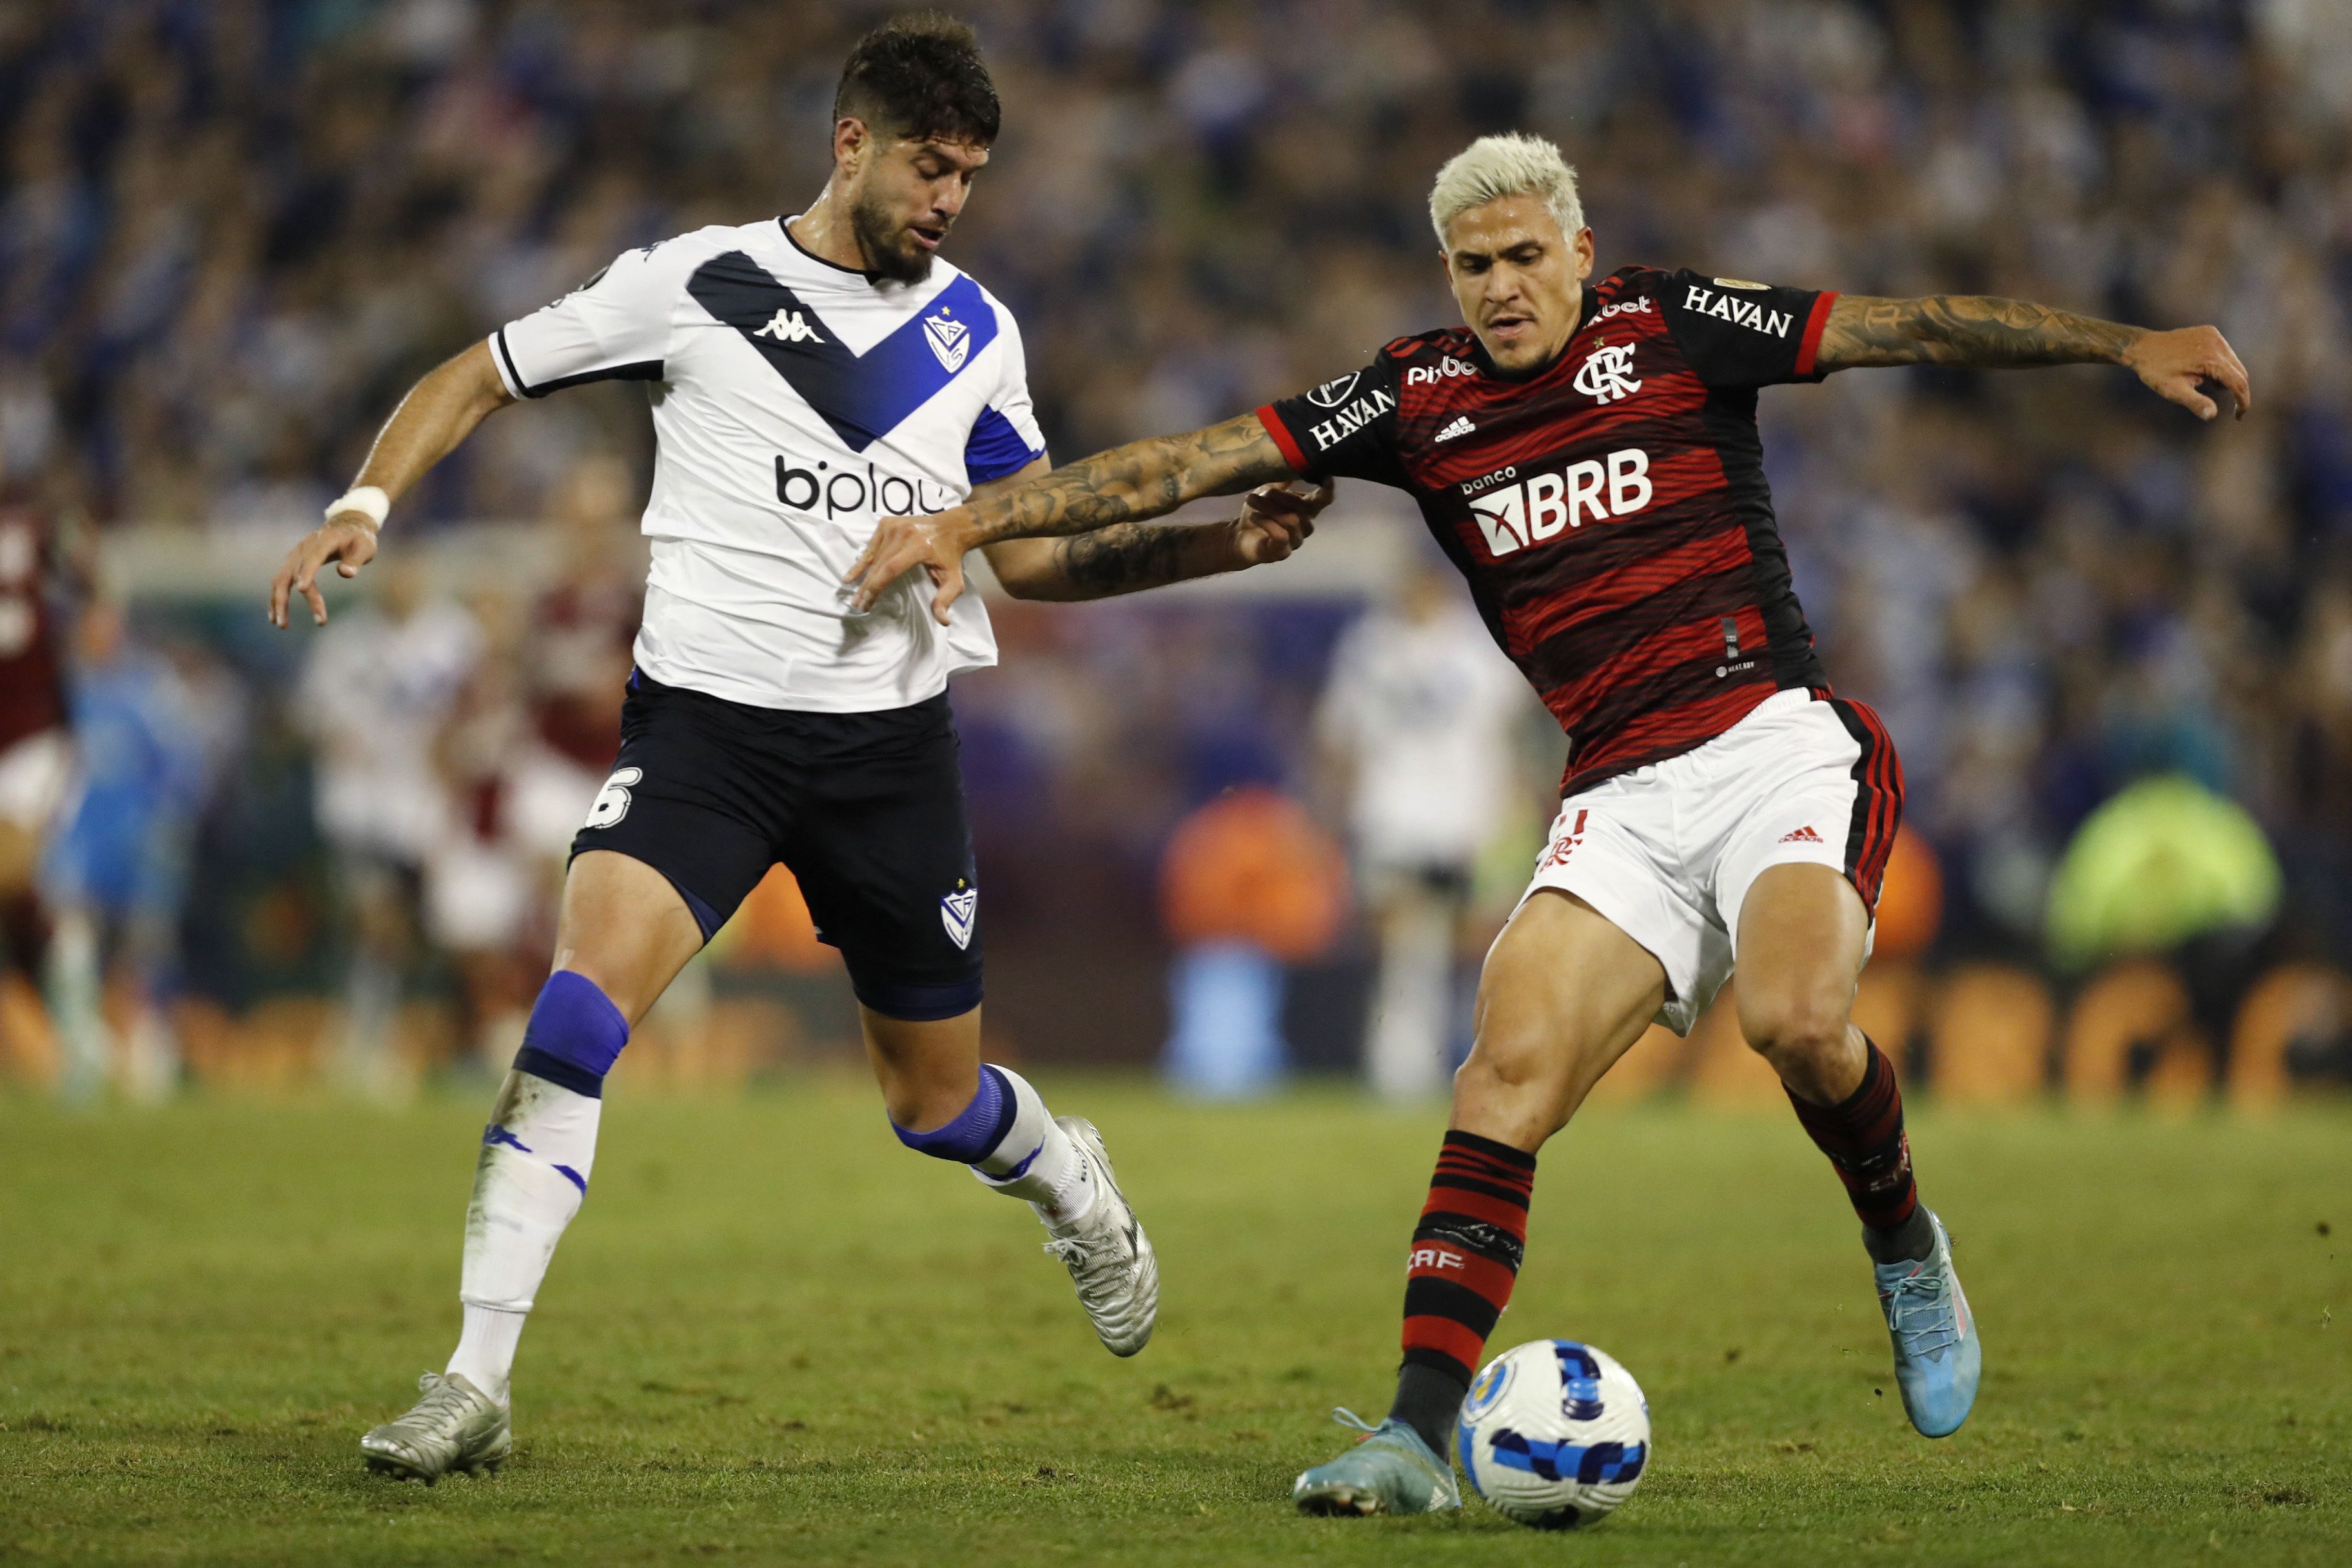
<point>1609,511</point>
<point>32,672</point>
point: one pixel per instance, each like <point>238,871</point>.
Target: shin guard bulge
<point>1863,1136</point>
<point>536,1155</point>
<point>1465,1259</point>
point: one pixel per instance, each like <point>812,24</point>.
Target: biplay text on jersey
<point>1610,510</point>
<point>795,404</point>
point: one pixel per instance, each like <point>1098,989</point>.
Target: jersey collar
<point>785,226</point>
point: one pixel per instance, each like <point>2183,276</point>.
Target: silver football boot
<point>455,1427</point>
<point>1109,1258</point>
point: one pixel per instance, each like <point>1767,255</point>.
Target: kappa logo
<point>1802,836</point>
<point>787,326</point>
<point>1606,375</point>
<point>956,912</point>
<point>1461,426</point>
<point>950,340</point>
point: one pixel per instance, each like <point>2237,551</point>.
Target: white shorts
<point>37,774</point>
<point>1667,853</point>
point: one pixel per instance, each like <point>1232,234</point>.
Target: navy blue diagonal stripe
<point>862,396</point>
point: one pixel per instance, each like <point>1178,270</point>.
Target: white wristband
<point>368,500</point>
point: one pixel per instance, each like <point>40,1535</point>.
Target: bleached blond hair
<point>1511,165</point>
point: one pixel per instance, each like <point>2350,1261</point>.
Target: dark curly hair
<point>921,77</point>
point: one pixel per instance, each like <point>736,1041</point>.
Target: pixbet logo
<point>1636,305</point>
<point>853,492</point>
<point>1445,369</point>
<point>1545,504</point>
<point>1608,375</point>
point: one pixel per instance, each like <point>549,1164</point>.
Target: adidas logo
<point>1461,426</point>
<point>1802,836</point>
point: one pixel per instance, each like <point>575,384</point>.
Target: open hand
<point>2174,364</point>
<point>936,543</point>
<point>348,540</point>
<point>1276,520</point>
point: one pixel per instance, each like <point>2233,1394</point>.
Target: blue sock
<point>1013,1144</point>
<point>977,1128</point>
<point>574,1035</point>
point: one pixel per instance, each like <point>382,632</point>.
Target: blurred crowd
<point>233,231</point>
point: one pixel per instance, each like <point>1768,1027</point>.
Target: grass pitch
<point>775,1336</point>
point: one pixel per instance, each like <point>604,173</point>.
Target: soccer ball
<point>1554,1434</point>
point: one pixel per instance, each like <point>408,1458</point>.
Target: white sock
<point>486,1350</point>
<point>1036,1160</point>
<point>537,1154</point>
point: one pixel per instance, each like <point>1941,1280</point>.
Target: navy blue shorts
<point>865,809</point>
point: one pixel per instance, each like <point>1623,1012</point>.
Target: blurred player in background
<point>1420,720</point>
<point>378,689</point>
<point>1587,455</point>
<point>116,874</point>
<point>809,375</point>
<point>36,753</point>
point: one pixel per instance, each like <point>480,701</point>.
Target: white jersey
<point>1426,713</point>
<point>795,404</point>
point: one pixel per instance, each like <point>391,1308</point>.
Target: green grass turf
<point>775,1336</point>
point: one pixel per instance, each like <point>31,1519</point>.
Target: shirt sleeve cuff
<point>1282,438</point>
<point>502,357</point>
<point>1817,319</point>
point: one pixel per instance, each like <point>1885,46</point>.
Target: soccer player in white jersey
<point>808,376</point>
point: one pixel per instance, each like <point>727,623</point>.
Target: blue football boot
<point>1938,1356</point>
<point>1390,1471</point>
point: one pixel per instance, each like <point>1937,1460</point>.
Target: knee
<point>1512,1089</point>
<point>1795,1027</point>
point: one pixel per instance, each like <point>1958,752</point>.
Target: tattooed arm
<point>1129,557</point>
<point>1980,329</point>
<point>1129,484</point>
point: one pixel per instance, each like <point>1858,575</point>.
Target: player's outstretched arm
<point>438,413</point>
<point>1134,483</point>
<point>1129,557</point>
<point>1982,329</point>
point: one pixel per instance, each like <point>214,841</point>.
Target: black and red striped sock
<point>1466,1258</point>
<point>1862,1135</point>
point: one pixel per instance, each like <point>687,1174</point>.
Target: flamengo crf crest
<point>956,909</point>
<point>1607,376</point>
<point>950,340</point>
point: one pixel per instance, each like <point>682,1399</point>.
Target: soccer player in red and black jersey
<point>1587,456</point>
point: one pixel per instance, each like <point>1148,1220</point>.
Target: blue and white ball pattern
<point>1554,1434</point>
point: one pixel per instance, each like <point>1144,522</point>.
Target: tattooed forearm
<point>1131,483</point>
<point>1126,557</point>
<point>1964,329</point>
